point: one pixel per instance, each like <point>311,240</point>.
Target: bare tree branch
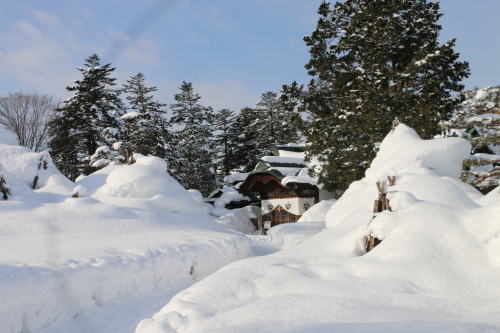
<point>27,115</point>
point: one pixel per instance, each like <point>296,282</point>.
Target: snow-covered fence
<point>4,189</point>
<point>380,205</point>
<point>43,163</point>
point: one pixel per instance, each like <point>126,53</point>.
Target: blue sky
<point>231,50</point>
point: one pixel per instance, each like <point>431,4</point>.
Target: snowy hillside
<point>67,247</point>
<point>437,268</point>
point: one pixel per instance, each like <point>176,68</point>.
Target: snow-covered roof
<point>288,166</point>
<point>284,160</point>
<point>235,177</point>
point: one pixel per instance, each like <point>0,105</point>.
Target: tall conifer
<point>87,120</point>
<point>373,61</point>
<point>194,122</point>
<point>225,142</point>
<point>146,129</point>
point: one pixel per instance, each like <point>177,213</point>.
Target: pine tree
<point>224,142</point>
<point>479,114</point>
<point>275,120</point>
<point>373,61</point>
<point>146,129</point>
<point>88,121</point>
<point>195,169</point>
<point>250,141</point>
<point>478,120</point>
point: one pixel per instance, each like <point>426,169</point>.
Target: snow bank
<point>229,194</point>
<point>404,152</point>
<point>239,219</point>
<point>318,211</point>
<point>131,228</point>
<point>290,234</point>
<point>437,268</point>
<point>25,165</point>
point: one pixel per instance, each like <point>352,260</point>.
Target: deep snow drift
<point>130,229</point>
<point>437,268</point>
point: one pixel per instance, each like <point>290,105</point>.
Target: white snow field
<point>131,230</point>
<point>437,268</point>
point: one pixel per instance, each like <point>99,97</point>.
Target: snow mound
<point>151,161</point>
<point>404,151</point>
<point>287,235</point>
<point>437,268</point>
<point>132,228</point>
<point>25,165</point>
<point>317,212</point>
<point>239,219</point>
<point>196,195</point>
<point>135,181</point>
<point>229,194</point>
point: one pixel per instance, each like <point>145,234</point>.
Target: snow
<point>288,235</point>
<point>292,154</point>
<point>236,177</point>
<point>80,191</point>
<point>482,94</point>
<point>317,212</point>
<point>442,157</point>
<point>138,181</point>
<point>281,159</point>
<point>287,171</point>
<point>130,115</point>
<point>131,230</point>
<point>239,219</point>
<point>229,194</point>
<point>301,177</point>
<point>437,268</point>
<point>196,195</point>
<point>486,117</point>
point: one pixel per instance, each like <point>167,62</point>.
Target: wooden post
<point>395,124</point>
<point>4,189</point>
<point>379,205</point>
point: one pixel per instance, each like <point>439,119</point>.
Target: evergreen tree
<point>88,121</point>
<point>196,167</point>
<point>373,61</point>
<point>250,141</point>
<point>478,120</point>
<point>225,142</point>
<point>146,129</point>
<point>275,121</point>
<point>479,114</point>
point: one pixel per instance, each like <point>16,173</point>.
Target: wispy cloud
<point>47,18</point>
<point>226,94</point>
<point>34,58</point>
<point>195,38</point>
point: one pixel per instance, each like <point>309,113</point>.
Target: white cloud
<point>47,18</point>
<point>213,13</point>
<point>35,56</point>
<point>142,52</point>
<point>226,94</point>
<point>194,37</point>
<point>34,59</point>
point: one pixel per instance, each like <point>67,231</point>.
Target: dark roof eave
<point>271,172</point>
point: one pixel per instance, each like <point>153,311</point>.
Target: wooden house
<point>282,187</point>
